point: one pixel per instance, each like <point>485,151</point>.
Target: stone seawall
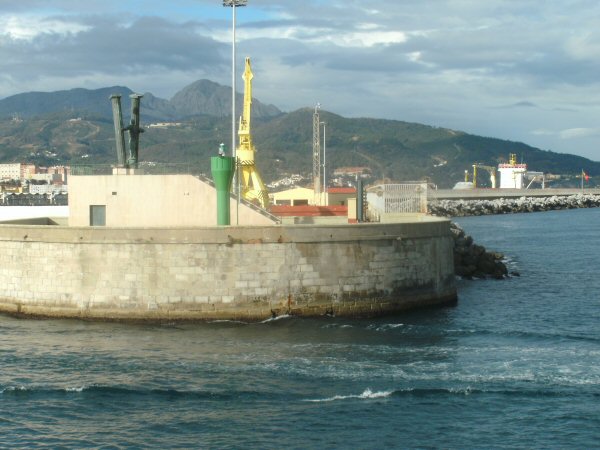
<point>460,208</point>
<point>248,273</point>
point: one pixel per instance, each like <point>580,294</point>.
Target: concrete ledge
<point>247,273</point>
<point>356,309</point>
<point>433,226</point>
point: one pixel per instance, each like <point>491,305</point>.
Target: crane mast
<point>252,186</point>
<point>244,129</point>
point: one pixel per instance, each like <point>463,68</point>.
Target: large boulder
<point>474,261</point>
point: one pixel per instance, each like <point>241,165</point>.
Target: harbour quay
<point>245,273</point>
<point>487,194</point>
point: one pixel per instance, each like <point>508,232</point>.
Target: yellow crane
<point>490,169</point>
<point>252,187</point>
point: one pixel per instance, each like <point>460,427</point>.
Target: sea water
<point>516,364</point>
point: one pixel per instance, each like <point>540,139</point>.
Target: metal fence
<point>408,198</point>
<point>27,199</point>
<point>144,168</point>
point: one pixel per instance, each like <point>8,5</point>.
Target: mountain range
<point>75,127</point>
<point>203,97</point>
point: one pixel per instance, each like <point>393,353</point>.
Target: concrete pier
<point>248,273</point>
<point>488,194</point>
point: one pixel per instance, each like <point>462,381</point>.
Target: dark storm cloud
<point>108,47</point>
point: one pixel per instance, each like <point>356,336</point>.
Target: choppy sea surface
<point>516,364</point>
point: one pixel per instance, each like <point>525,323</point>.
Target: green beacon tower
<point>222,168</point>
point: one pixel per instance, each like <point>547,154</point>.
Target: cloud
<point>569,133</point>
<point>103,47</point>
<point>27,28</point>
<point>447,63</point>
<point>574,133</point>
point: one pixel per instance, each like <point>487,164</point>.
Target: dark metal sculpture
<point>118,123</point>
<point>134,130</point>
<point>131,159</point>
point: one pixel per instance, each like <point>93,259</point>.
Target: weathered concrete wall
<point>151,201</point>
<point>227,272</point>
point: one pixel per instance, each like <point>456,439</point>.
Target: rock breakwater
<point>461,208</point>
<point>474,261</point>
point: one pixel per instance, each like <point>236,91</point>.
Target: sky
<point>520,70</point>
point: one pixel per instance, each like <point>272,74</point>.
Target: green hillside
<point>393,150</point>
<point>402,151</point>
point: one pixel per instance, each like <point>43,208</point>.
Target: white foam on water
<point>367,394</point>
<point>381,394</point>
<point>272,319</point>
<point>390,326</point>
<point>465,391</point>
<point>39,388</point>
<point>387,326</point>
<point>337,326</point>
<point>13,388</point>
<point>75,389</point>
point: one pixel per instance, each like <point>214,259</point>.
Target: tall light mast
<point>317,154</point>
<point>326,197</point>
<point>233,4</point>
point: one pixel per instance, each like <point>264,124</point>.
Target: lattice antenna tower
<point>317,153</point>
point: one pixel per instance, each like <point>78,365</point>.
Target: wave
<point>386,326</point>
<point>453,391</point>
<point>75,389</point>
<point>226,396</point>
<point>390,327</point>
<point>525,334</point>
<point>95,389</point>
<point>366,395</point>
<point>9,389</point>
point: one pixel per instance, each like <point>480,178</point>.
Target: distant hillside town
<point>24,184</point>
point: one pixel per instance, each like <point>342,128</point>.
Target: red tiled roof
<point>341,190</point>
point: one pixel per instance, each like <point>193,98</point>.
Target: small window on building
<point>97,215</point>
<point>300,202</point>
